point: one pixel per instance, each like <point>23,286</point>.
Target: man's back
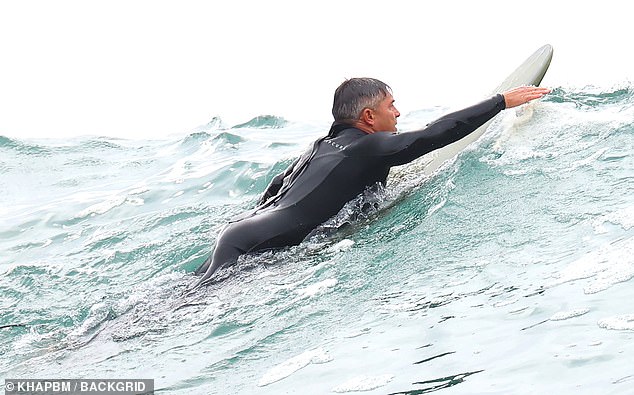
<point>336,173</point>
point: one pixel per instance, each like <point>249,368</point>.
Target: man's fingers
<point>523,94</point>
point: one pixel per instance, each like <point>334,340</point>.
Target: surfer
<point>358,152</point>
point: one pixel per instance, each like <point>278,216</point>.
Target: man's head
<point>366,103</point>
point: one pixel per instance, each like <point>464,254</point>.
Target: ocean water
<point>509,271</point>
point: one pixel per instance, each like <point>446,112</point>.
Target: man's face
<point>385,115</point>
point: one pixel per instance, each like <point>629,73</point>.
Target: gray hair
<point>356,94</point>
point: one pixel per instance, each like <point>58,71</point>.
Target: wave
<point>263,122</point>
<point>100,143</point>
<point>6,142</point>
<point>195,141</point>
<point>593,97</point>
<point>216,123</point>
<point>23,147</point>
<point>196,137</point>
<point>31,148</point>
<point>229,138</point>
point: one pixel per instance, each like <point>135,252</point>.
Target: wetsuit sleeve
<point>276,184</point>
<point>398,149</point>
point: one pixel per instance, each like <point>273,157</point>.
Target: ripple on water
<point>564,315</point>
<point>294,364</point>
<point>364,383</point>
<point>606,266</point>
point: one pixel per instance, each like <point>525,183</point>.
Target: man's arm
<point>398,149</point>
<point>276,184</point>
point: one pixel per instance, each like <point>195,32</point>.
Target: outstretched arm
<point>512,98</point>
<point>398,149</point>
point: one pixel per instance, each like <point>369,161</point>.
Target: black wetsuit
<point>335,170</point>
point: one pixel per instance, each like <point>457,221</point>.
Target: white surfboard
<point>531,72</point>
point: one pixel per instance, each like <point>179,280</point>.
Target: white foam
<point>618,274</point>
<point>73,236</point>
<point>102,207</point>
<point>28,340</point>
<point>206,186</point>
<point>589,160</point>
<point>623,217</point>
<point>623,322</point>
<point>294,364</point>
<point>511,125</point>
<point>317,288</point>
<point>398,307</point>
<point>343,245</point>
<point>139,190</point>
<point>364,383</point>
<point>110,203</point>
<point>564,315</point>
<point>135,201</point>
<point>98,313</point>
<point>611,264</point>
<point>436,207</point>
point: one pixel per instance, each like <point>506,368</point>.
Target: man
<point>357,153</point>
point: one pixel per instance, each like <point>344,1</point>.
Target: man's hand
<point>523,94</point>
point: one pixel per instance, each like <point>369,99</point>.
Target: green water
<point>509,271</point>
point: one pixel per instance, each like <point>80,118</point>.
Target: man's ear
<point>367,116</point>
